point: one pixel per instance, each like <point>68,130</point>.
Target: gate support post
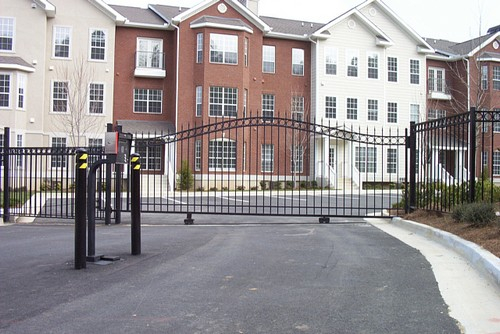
<point>472,155</point>
<point>135,197</point>
<point>189,219</point>
<point>413,166</point>
<point>6,175</point>
<point>80,209</point>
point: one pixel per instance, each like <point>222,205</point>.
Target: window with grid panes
<point>148,101</point>
<point>222,155</point>
<point>223,49</point>
<point>365,159</point>
<point>58,158</point>
<point>199,48</point>
<point>297,162</point>
<point>62,42</point>
<point>330,107</point>
<point>5,83</point>
<point>268,106</point>
<point>330,61</point>
<point>496,77</point>
<point>298,108</point>
<point>415,71</point>
<point>223,102</point>
<point>414,113</point>
<point>98,45</point>
<point>392,69</point>
<point>267,158</point>
<point>352,59</point>
<point>352,108</point>
<point>6,34</point>
<point>268,59</point>
<point>496,120</point>
<point>96,98</point>
<point>392,160</point>
<point>151,155</point>
<point>496,163</point>
<point>60,96</point>
<point>372,110</point>
<point>21,90</point>
<point>197,155</point>
<point>484,77</point>
<point>298,62</point>
<point>392,112</point>
<point>199,101</point>
<point>373,65</point>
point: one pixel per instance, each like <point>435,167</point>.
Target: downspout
<point>314,83</point>
<point>172,184</point>
<point>468,82</point>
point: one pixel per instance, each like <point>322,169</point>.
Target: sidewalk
<point>468,276</point>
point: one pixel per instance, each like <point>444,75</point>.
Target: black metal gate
<point>273,167</point>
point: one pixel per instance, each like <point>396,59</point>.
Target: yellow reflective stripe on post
<point>137,167</point>
<point>83,166</point>
<point>134,159</point>
<point>84,156</point>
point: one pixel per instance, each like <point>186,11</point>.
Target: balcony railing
<point>150,64</point>
<point>439,89</point>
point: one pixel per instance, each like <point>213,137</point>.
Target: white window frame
<point>226,98</point>
<point>19,143</point>
<point>352,107</point>
<point>267,158</point>
<point>392,161</point>
<point>58,161</point>
<point>496,163</point>
<point>331,107</point>
<point>222,155</point>
<point>8,31</point>
<point>414,71</point>
<point>6,90</point>
<point>149,53</point>
<point>151,156</point>
<point>437,83</point>
<point>58,32</point>
<point>435,114</point>
<point>297,159</point>
<point>331,61</point>
<point>199,101</point>
<point>96,99</point>
<point>484,77</point>
<point>268,106</point>
<point>61,95</point>
<point>372,110</point>
<point>373,64</point>
<point>496,78</point>
<point>22,83</point>
<point>223,49</point>
<point>352,63</point>
<point>98,46</point>
<point>414,112</point>
<point>150,97</point>
<point>392,69</point>
<point>392,112</point>
<point>365,159</point>
<point>298,62</point>
<point>298,108</point>
<point>199,48</point>
<point>197,155</point>
<point>269,59</point>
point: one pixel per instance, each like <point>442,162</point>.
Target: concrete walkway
<point>466,275</point>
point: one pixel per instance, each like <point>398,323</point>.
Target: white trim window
<point>496,163</point>
<point>414,71</point>
<point>437,80</point>
<point>496,120</point>
<point>372,110</point>
<point>62,42</point>
<point>19,143</point>
<point>331,58</point>
<point>496,77</point>
<point>21,91</point>
<point>58,159</point>
<point>222,155</point>
<point>151,155</point>
<point>372,65</point>
<point>297,163</point>
<point>223,102</point>
<point>267,158</point>
<point>435,114</point>
<point>5,84</point>
<point>392,112</point>
<point>7,30</point>
<point>268,106</point>
<point>148,101</point>
<point>199,101</point>
<point>149,53</point>
<point>96,98</point>
<point>298,62</point>
<point>199,48</point>
<point>298,108</point>
<point>484,77</point>
<point>98,42</point>
<point>60,96</point>
<point>415,113</point>
<point>392,160</point>
<point>392,69</point>
<point>352,62</point>
<point>197,155</point>
<point>224,49</point>
<point>268,59</point>
<point>98,143</point>
<point>352,108</point>
<point>330,107</point>
<point>365,159</point>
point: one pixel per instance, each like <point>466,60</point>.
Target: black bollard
<point>135,197</point>
<point>80,209</point>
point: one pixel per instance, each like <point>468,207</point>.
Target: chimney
<point>253,5</point>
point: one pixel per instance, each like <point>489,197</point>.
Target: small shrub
<point>275,185</point>
<point>289,185</point>
<point>240,188</point>
<point>225,188</point>
<point>476,214</point>
<point>213,189</point>
<point>303,185</point>
<point>263,185</point>
<point>254,188</point>
<point>314,184</point>
<point>186,178</point>
<point>200,189</point>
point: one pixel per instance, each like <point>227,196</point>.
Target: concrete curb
<point>479,258</point>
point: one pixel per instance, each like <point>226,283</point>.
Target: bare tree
<point>80,100</point>
<point>298,137</point>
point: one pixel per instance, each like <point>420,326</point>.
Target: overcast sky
<point>454,20</point>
